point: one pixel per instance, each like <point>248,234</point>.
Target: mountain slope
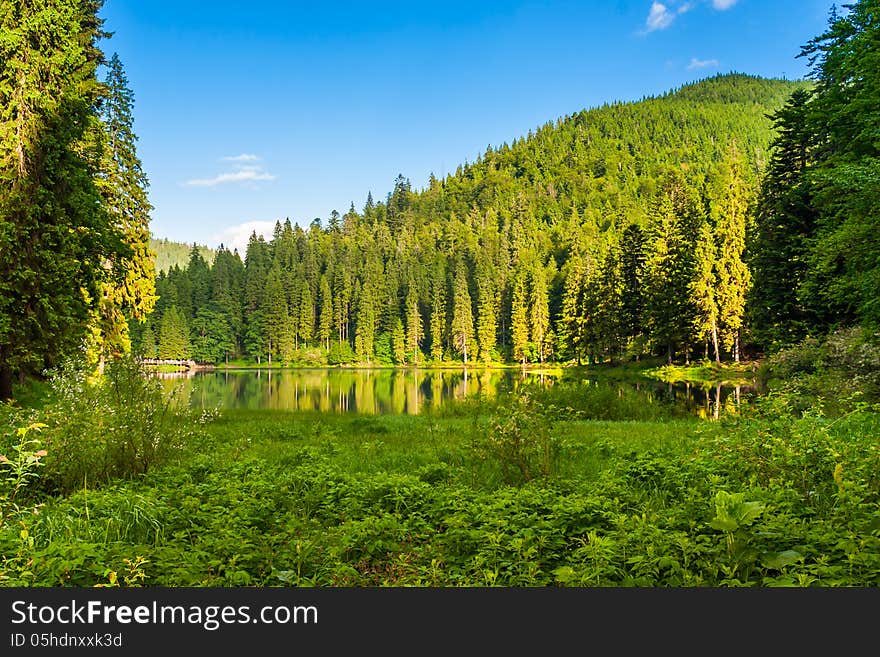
<point>577,241</point>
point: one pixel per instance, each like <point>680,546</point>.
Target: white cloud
<point>659,18</point>
<point>702,63</point>
<point>244,171</point>
<point>245,175</point>
<point>237,237</point>
<point>244,157</point>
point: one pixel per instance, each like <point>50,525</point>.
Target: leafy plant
<point>17,472</point>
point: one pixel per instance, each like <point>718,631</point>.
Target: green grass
<point>269,498</point>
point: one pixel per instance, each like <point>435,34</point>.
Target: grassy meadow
<point>565,486</point>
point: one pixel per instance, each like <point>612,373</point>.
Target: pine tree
<point>785,223</point>
<point>730,210</point>
<point>414,327</point>
<point>462,327</point>
<point>632,264</point>
<point>129,291</point>
<point>55,232</point>
<point>174,341</point>
<point>571,320</point>
<point>149,346</point>
<point>325,319</point>
<point>278,327</point>
<point>438,316</point>
<point>306,324</point>
<point>398,342</point>
<point>702,289</point>
<point>487,319</point>
<point>519,325</point>
<point>540,311</point>
<point>666,279</point>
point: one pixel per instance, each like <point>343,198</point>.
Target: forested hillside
<point>169,254</point>
<point>613,232</point>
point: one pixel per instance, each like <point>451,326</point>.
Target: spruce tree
<point>325,319</point>
<point>55,232</point>
<point>414,328</point>
<point>540,311</point>
<point>519,323</point>
<point>730,210</point>
<point>462,327</point>
<point>129,291</point>
<point>702,289</point>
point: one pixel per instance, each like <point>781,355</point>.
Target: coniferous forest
<point>610,234</point>
<point>729,226</point>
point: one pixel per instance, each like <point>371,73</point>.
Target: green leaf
<point>782,559</point>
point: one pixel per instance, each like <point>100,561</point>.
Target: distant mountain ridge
<point>171,254</point>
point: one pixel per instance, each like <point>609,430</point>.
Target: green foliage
<point>119,426</point>
<point>280,499</point>
<point>519,438</point>
<point>16,472</point>
<point>839,372</point>
<point>819,206</point>
<point>546,249</point>
<point>54,238</point>
<point>170,255</point>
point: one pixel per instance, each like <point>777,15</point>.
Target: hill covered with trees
<point>168,254</point>
<point>610,233</point>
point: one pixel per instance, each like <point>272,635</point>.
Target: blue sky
<point>248,113</point>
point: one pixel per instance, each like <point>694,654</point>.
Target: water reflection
<point>414,391</point>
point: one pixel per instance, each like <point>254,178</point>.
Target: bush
<point>519,439</point>
<point>840,369</point>
<point>341,354</point>
<point>118,425</point>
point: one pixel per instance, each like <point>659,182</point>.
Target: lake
<point>415,390</point>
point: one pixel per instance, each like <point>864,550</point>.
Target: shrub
<point>118,425</point>
<point>519,439</point>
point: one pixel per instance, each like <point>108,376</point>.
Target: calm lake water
<point>413,391</point>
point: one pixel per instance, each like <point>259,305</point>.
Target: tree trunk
<point>715,341</point>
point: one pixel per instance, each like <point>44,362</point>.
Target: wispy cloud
<point>661,16</point>
<point>244,157</point>
<point>248,175</point>
<point>237,237</point>
<point>244,171</point>
<point>702,63</point>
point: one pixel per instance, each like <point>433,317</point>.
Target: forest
<point>729,223</point>
<point>610,234</point>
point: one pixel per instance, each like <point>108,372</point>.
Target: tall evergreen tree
<point>129,291</point>
<point>174,341</point>
<point>438,315</point>
<point>325,319</point>
<point>414,327</point>
<point>540,311</point>
<point>55,233</point>
<point>462,327</point>
<point>519,323</point>
<point>702,289</point>
<point>730,210</point>
<point>278,327</point>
